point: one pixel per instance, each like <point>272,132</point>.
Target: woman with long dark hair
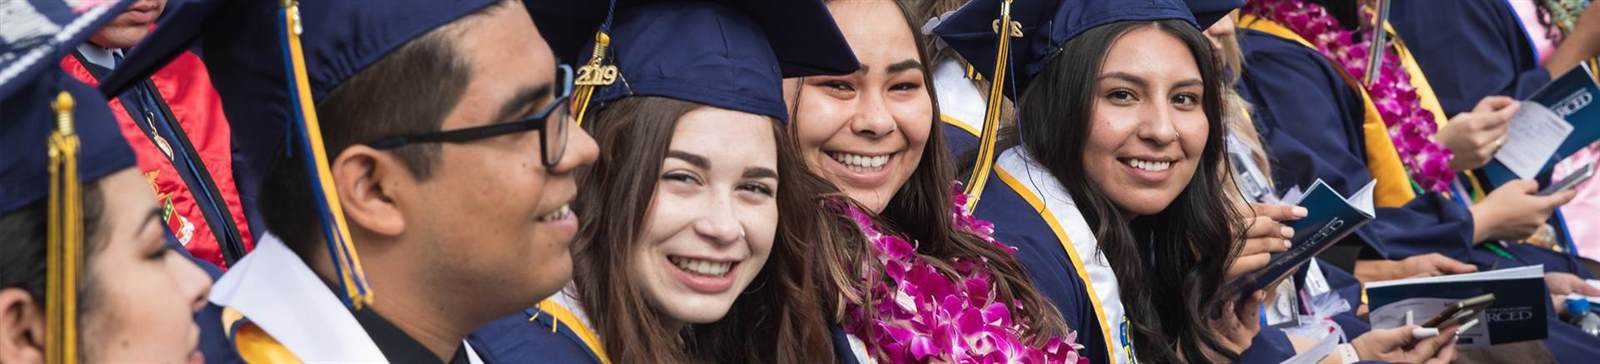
<point>1114,177</point>
<point>698,217</point>
<point>908,275</point>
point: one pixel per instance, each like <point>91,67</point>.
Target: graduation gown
<point>1489,53</point>
<point>1310,137</point>
<point>555,331</point>
<point>1469,49</point>
<point>961,108</point>
<point>1034,213</point>
<point>1316,126</point>
<point>273,308</point>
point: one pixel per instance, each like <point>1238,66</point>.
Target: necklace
<point>924,315</point>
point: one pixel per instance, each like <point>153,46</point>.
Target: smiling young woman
<point>698,218</point>
<point>1113,177</point>
<point>873,134</point>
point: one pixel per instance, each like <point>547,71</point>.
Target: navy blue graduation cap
<point>1034,33</point>
<point>271,61</point>
<point>732,54</point>
<point>1208,12</point>
<point>57,135</point>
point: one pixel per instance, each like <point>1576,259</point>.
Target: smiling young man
<point>449,160</point>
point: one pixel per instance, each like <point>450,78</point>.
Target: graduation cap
<point>1208,12</point>
<point>271,61</point>
<point>732,54</point>
<point>58,134</point>
<point>1033,34</point>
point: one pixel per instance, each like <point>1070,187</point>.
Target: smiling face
<point>713,218</point>
<point>1148,128</point>
<point>866,131</point>
<point>492,217</point>
<point>143,295</point>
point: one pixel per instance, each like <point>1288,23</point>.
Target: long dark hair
<point>920,210</point>
<point>776,320</point>
<point>1171,274</point>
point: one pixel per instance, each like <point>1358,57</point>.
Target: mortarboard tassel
<point>991,114</point>
<point>592,76</point>
<point>64,249</point>
<point>597,72</point>
<point>346,264</point>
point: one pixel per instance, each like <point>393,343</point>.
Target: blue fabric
<point>841,345</point>
<point>1208,12</point>
<point>1310,120</point>
<point>1046,26</point>
<point>1040,252</point>
<point>1469,49</point>
<point>25,138</point>
<point>1269,346</point>
<point>958,141</point>
<point>521,338</point>
<point>732,55</point>
<point>41,32</point>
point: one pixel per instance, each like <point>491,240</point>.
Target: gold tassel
<point>64,239</point>
<point>991,114</point>
<point>345,260</point>
<point>592,76</point>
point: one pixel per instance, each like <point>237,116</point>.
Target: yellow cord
<point>345,256</point>
<point>64,239</point>
<point>1006,30</point>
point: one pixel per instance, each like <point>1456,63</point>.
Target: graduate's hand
<point>1474,136</point>
<point>1563,284</point>
<point>1514,211</point>
<point>1397,345</point>
<point>1426,265</point>
<point>1238,326</point>
<point>1264,234</point>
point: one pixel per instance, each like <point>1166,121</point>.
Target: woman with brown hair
<point>697,219</point>
<point>909,276</point>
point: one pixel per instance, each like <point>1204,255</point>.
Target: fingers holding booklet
<point>1485,308</point>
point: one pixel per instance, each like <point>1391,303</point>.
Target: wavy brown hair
<point>1171,271</point>
<point>921,211</point>
<point>775,320</point>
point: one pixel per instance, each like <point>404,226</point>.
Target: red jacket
<point>185,86</point>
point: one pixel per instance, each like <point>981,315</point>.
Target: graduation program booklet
<point>1555,122</point>
<point>1517,314</point>
<point>1329,218</point>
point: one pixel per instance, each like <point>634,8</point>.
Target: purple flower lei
<point>923,315</point>
<point>1411,127</point>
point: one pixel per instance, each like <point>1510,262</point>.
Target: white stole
<point>1092,265</point>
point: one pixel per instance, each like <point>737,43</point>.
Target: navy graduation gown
<point>1469,49</point>
<point>1311,121</point>
<point>1269,346</point>
<point>841,345</point>
<point>1041,254</point>
<point>524,338</point>
<point>958,141</point>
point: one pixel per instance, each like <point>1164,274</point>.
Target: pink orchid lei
<point>923,315</point>
<point>1411,127</point>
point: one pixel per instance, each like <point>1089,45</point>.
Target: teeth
<point>559,214</point>
<point>1152,166</point>
<point>860,163</point>
<point>702,267</point>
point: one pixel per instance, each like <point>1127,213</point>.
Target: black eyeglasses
<point>550,121</point>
